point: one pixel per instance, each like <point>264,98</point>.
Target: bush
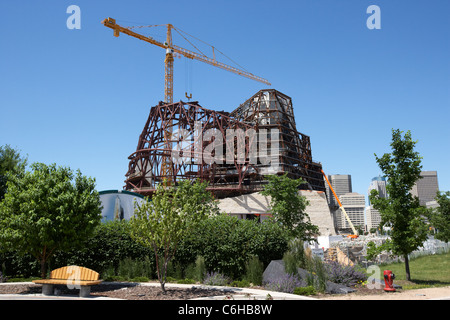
<point>226,243</point>
<point>346,275</point>
<point>285,283</point>
<point>186,281</point>
<point>200,269</point>
<point>130,269</point>
<point>15,265</point>
<point>240,283</point>
<point>305,291</point>
<point>216,279</point>
<point>110,244</point>
<point>318,274</point>
<point>254,270</point>
<point>295,257</point>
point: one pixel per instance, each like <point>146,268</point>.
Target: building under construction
<point>233,152</point>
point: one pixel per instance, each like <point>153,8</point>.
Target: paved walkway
<point>231,293</point>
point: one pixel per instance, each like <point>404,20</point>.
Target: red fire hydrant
<point>389,281</point>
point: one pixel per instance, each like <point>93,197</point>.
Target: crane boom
<point>111,23</point>
<point>166,166</point>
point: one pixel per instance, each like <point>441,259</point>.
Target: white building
<point>379,184</point>
<point>354,204</point>
<point>373,217</point>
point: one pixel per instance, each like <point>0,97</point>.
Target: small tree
<point>440,216</point>
<point>401,210</point>
<point>46,210</point>
<point>288,206</point>
<point>171,214</point>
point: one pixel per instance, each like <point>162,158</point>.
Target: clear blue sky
<point>80,98</point>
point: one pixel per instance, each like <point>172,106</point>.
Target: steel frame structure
<point>191,126</point>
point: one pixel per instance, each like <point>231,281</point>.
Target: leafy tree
<point>10,162</point>
<point>401,210</point>
<point>48,209</point>
<point>288,207</point>
<point>440,216</point>
<point>171,214</point>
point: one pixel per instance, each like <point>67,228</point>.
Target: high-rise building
<point>341,183</point>
<point>373,217</point>
<point>354,205</point>
<point>426,187</point>
<point>379,184</point>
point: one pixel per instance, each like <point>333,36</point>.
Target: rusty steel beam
<point>228,174</point>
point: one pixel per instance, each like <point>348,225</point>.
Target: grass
<point>426,271</point>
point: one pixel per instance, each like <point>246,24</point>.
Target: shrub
<point>186,281</point>
<point>305,291</point>
<point>110,244</point>
<point>216,279</point>
<point>240,283</point>
<point>254,270</point>
<point>290,263</point>
<point>346,275</point>
<point>200,269</point>
<point>129,268</point>
<point>285,283</point>
<point>226,243</point>
<point>317,275</point>
<point>2,278</point>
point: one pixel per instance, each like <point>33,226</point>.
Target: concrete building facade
<point>256,206</point>
<point>426,187</point>
<point>354,204</point>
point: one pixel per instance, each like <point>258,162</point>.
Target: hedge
<point>226,243</point>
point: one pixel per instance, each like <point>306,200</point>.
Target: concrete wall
<point>255,203</point>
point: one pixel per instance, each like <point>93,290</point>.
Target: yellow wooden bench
<point>74,277</point>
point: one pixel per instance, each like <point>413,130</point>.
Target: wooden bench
<point>74,277</point>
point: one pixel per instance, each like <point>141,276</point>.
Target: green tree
<point>401,210</point>
<point>171,214</point>
<point>288,206</point>
<point>48,209</point>
<point>10,162</point>
<point>440,216</point>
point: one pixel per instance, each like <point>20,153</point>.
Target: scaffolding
<point>233,152</point>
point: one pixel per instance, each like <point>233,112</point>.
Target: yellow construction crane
<point>170,49</point>
<point>168,78</point>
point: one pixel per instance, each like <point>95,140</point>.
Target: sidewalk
<point>231,293</point>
